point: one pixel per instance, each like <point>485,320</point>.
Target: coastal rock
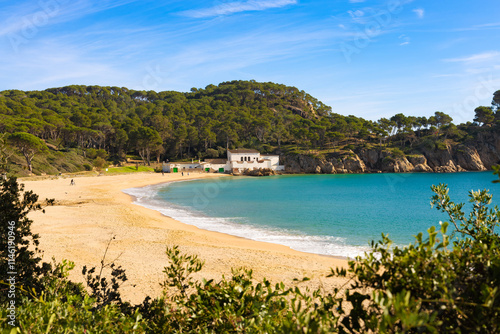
<point>468,158</point>
<point>396,165</point>
<point>260,172</point>
<point>370,157</point>
<point>300,163</point>
<point>339,165</point>
<point>440,161</point>
<point>404,166</point>
<point>327,167</point>
<point>479,156</point>
<point>354,164</point>
<point>422,168</point>
<point>488,148</point>
<point>420,163</point>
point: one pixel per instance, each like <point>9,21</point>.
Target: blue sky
<point>366,58</point>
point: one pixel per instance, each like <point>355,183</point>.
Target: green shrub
<point>441,146</point>
<point>87,167</point>
<point>428,143</point>
<point>434,285</point>
<point>19,250</point>
<point>397,153</point>
<point>233,305</point>
<point>64,307</point>
<point>100,163</point>
<point>388,160</point>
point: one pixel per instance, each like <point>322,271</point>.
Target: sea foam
<point>238,226</point>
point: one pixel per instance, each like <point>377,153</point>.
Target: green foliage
<point>64,307</point>
<point>484,115</point>
<point>28,145</point>
<point>233,305</point>
<point>397,153</point>
<point>434,285</point>
<point>106,292</point>
<point>441,146</point>
<point>92,153</point>
<point>433,144</point>
<point>129,169</point>
<point>172,124</point>
<point>99,163</point>
<point>111,122</point>
<point>211,153</point>
<point>19,250</point>
<point>497,172</point>
<point>5,154</point>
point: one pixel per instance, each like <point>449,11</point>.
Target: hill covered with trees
<point>78,125</point>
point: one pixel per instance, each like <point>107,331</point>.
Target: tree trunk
<point>143,157</point>
<point>29,157</point>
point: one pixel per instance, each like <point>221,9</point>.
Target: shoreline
<point>99,209</point>
<point>136,200</point>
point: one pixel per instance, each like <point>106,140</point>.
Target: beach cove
<point>334,215</point>
<point>87,215</point>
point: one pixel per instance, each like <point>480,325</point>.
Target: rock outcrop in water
<point>260,172</point>
<point>478,156</point>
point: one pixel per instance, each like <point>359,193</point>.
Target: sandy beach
<point>87,215</point>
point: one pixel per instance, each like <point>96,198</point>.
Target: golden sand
<point>88,214</point>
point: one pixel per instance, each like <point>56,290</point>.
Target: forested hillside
<point>111,122</point>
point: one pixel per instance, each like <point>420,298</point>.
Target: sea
<point>335,215</point>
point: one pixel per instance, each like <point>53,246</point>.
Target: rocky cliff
<point>478,156</point>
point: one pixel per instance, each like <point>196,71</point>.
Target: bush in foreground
<point>435,285</point>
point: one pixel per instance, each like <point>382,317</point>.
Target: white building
<point>243,159</point>
<point>217,165</point>
<point>178,167</point>
<point>238,161</point>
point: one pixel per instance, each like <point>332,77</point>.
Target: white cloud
<point>356,14</point>
<point>420,12</point>
<point>50,64</point>
<point>405,40</point>
<point>238,7</point>
<point>488,25</point>
<point>26,20</point>
<point>479,57</point>
<point>356,1</point>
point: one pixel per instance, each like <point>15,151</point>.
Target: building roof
<point>243,150</point>
<point>270,155</point>
<point>216,161</point>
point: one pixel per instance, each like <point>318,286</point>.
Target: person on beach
<point>72,183</point>
<point>182,173</point>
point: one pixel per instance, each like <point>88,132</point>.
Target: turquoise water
<point>326,214</point>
